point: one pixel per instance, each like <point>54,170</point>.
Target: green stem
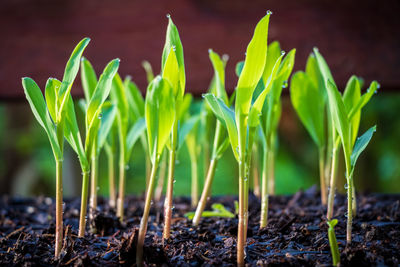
<point>195,183</point>
<point>145,217</point>
<point>111,175</point>
<point>93,183</point>
<point>206,191</point>
<point>84,197</point>
<point>170,185</point>
<point>264,191</point>
<point>332,187</point>
<point>255,172</point>
<point>161,177</point>
<point>121,193</point>
<point>271,171</point>
<point>59,208</point>
<point>349,208</point>
<point>322,176</point>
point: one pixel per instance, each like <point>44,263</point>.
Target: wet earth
<point>296,234</point>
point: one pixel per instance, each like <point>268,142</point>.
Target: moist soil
<point>296,234</point>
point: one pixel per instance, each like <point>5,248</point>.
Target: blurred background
<point>355,37</point>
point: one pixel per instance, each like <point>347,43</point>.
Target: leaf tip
<point>269,12</point>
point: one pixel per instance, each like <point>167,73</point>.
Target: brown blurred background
<point>356,37</point>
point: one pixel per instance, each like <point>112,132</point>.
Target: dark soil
<point>296,234</point>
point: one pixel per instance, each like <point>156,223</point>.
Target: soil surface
<point>295,236</point>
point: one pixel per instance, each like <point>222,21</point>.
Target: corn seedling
<point>173,70</point>
<point>353,103</point>
<point>128,100</point>
<point>52,115</point>
<point>308,97</point>
<point>221,140</point>
<point>333,242</point>
<point>243,122</point>
<point>107,117</point>
<point>275,75</point>
<point>160,116</point>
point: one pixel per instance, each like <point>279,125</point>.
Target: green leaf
<point>159,114</point>
<point>109,112</point>
<point>171,72</point>
<point>273,53</point>
<point>351,96</point>
<point>38,106</point>
<point>184,106</point>
<point>361,144</point>
<point>315,76</point>
<point>253,66</point>
<point>89,78</point>
<point>309,105</point>
<point>340,119</point>
<point>239,68</point>
<point>173,41</point>
<point>133,135</point>
<point>72,134</point>
<point>218,211</point>
<point>219,74</point>
<point>51,91</point>
<point>186,128</point>
<point>101,92</point>
<point>149,70</point>
<point>323,67</point>
<point>365,98</point>
<point>227,117</point>
<point>70,72</point>
<point>135,99</point>
<point>255,110</point>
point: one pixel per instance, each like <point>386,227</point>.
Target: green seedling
<point>93,116</point>
<point>160,117</point>
<point>218,210</point>
<point>353,103</point>
<point>173,70</point>
<point>333,242</point>
<point>131,125</point>
<point>242,123</point>
<point>52,116</point>
<point>110,147</point>
<point>107,116</point>
<point>276,73</point>
<point>161,177</point>
<point>221,140</point>
<point>308,97</point>
<point>344,128</point>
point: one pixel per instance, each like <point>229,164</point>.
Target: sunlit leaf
<point>88,77</point>
<point>361,144</point>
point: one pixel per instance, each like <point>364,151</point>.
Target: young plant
<point>221,140</point>
<point>218,210</point>
<point>93,120</point>
<point>160,117</point>
<point>127,99</point>
<point>172,70</point>
<point>353,102</point>
<point>51,115</point>
<point>243,122</point>
<point>276,73</point>
<point>344,128</point>
<point>107,116</point>
<point>308,97</point>
<point>333,242</point>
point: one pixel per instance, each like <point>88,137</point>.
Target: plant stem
<point>354,202</point>
<point>241,239</point>
<point>121,193</point>
<point>145,217</point>
<point>194,184</point>
<point>170,185</point>
<point>264,191</point>
<point>85,191</point>
<point>161,177</point>
<point>271,171</point>
<point>111,175</point>
<point>93,183</point>
<point>206,191</point>
<point>331,197</point>
<point>349,205</point>
<point>255,172</point>
<point>148,168</point>
<point>59,208</point>
<point>322,176</point>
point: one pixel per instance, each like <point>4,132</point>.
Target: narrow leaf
<point>89,78</point>
<point>361,144</point>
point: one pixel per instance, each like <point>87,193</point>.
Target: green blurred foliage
<point>296,163</point>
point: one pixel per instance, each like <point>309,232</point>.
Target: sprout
<point>52,115</point>
<point>333,243</point>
